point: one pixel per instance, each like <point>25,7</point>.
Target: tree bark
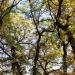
<point>36,56</point>
<point>15,63</point>
<point>64,59</point>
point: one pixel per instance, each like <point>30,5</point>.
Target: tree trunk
<point>15,63</point>
<point>36,56</point>
<point>71,40</point>
<point>64,59</point>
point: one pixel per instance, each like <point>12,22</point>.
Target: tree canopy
<point>37,37</point>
